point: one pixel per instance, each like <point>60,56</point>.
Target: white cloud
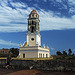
<point>50,22</point>
<point>12,20</point>
<point>72,10</point>
<point>59,1</point>
<point>52,49</point>
<point>71,1</point>
<point>45,0</point>
<point>18,5</point>
<point>71,6</point>
<point>13,28</point>
<point>9,43</point>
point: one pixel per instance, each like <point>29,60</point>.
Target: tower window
<point>32,29</point>
<point>36,15</point>
<point>32,22</point>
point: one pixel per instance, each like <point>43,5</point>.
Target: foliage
<point>64,53</point>
<point>69,52</point>
<point>3,55</point>
<point>14,51</point>
<point>58,53</point>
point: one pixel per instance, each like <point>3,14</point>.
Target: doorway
<point>23,55</point>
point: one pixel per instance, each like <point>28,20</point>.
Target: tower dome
<point>33,14</point>
<point>33,11</point>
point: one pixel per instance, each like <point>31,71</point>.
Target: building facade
<point>32,48</point>
<point>4,51</point>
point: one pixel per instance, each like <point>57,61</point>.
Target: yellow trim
<point>25,44</point>
<point>50,58</point>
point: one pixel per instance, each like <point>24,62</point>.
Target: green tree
<point>69,52</point>
<point>58,53</point>
<point>64,53</point>
<point>14,51</point>
<point>73,54</point>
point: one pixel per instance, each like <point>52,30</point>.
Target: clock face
<point>32,39</point>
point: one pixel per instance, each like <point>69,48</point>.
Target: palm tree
<point>70,51</point>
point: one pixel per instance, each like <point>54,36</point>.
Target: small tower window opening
<point>32,29</point>
<point>36,15</point>
<point>32,22</point>
<point>32,39</point>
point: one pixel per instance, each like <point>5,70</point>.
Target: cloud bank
<point>14,15</point>
<point>9,43</point>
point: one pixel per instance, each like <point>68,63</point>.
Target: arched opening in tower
<point>32,22</point>
<point>32,29</point>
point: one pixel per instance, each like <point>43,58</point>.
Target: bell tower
<point>33,33</point>
<point>32,47</point>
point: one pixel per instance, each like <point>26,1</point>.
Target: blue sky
<point>57,23</point>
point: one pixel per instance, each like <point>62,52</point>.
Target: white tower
<point>32,48</point>
<point>33,34</point>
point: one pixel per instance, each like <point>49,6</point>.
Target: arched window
<point>3,51</point>
<point>43,55</point>
<point>23,55</point>
<point>39,55</point>
<point>32,22</point>
<point>46,55</point>
<point>32,29</point>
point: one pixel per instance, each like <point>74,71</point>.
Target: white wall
<point>29,54</point>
